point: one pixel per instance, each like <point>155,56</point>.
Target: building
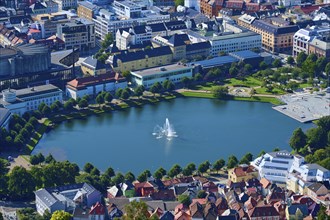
<point>193,4</point>
<point>174,73</point>
<point>23,100</point>
<point>44,7</point>
<point>49,22</point>
<point>24,59</point>
<point>127,61</point>
<point>87,10</point>
<point>289,3</point>
<point>316,37</point>
<point>242,173</point>
<point>66,4</point>
<point>210,8</point>
<point>5,116</point>
<point>66,198</point>
<point>78,33</point>
<point>275,38</point>
<point>91,66</point>
<point>8,37</point>
<point>107,21</point>
<point>127,9</point>
<point>79,87</point>
<point>246,20</point>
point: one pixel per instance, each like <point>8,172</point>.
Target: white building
<point>23,100</point>
<point>193,4</point>
<point>106,21</point>
<point>5,116</point>
<point>303,37</point>
<point>66,4</point>
<point>289,3</point>
<point>229,42</point>
<point>78,33</point>
<point>93,85</point>
<point>283,167</point>
<point>127,9</point>
<point>173,72</point>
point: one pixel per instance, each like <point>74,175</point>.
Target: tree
<point>41,106</point>
<point>139,90</point>
<point>175,170</point>
<point>119,178</point>
<point>203,167</point>
<point>168,85</point>
<point>232,162</point>
<point>322,214</point>
<point>327,69</point>
<point>324,123</point>
<point>198,77</point>
<point>201,194</point>
<point>185,81</point>
<point>95,172</point>
<point>109,172</point>
<point>247,68</point>
<point>34,160</point>
<point>301,57</point>
<point>144,176</point>
<point>50,159</point>
<point>88,167</point>
<point>136,211</point>
<point>263,65</point>
<point>118,92</point>
<point>83,103</point>
<point>68,106</point>
<point>61,215</point>
<point>220,92</point>
<point>99,99</point>
<point>20,183</point>
<point>321,64</point>
<point>125,94</point>
<point>298,139</point>
<point>261,153</point>
<point>277,63</point>
<point>108,40</point>
<point>108,97</point>
<point>290,60</point>
<point>129,177</point>
<point>155,88</point>
<point>246,158</point>
<point>219,164</point>
<point>184,199</point>
<point>54,107</point>
<point>126,74</point>
<point>179,2</point>
<point>160,173</point>
<point>316,137</point>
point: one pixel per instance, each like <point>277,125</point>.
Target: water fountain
<point>166,131</point>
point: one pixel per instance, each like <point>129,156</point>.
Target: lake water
<point>207,130</point>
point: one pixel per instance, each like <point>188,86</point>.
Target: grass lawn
<point>205,86</point>
<point>198,95</point>
<point>36,137</point>
<point>305,85</point>
<point>248,82</point>
<point>276,91</point>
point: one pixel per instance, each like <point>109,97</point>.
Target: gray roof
<point>159,69</point>
<point>244,54</point>
<point>32,49</point>
<point>234,36</point>
<point>22,93</point>
<point>314,166</point>
<point>281,154</point>
<point>216,61</point>
<point>93,63</point>
<point>265,26</point>
<point>88,5</point>
<point>294,207</point>
<point>46,197</point>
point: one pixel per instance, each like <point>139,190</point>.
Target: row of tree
<point>314,144</point>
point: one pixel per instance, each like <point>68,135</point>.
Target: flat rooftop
<point>234,36</point>
<point>216,61</point>
<point>160,69</point>
<point>305,107</point>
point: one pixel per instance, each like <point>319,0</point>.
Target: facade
<point>127,9</point>
<point>23,100</point>
<point>5,116</point>
<point>274,38</point>
<point>87,10</point>
<point>107,21</point>
<point>8,37</point>
<point>289,3</point>
<point>127,61</point>
<point>148,77</point>
<point>246,20</point>
<point>66,198</point>
<point>242,173</point>
<point>79,87</point>
<point>44,7</point>
<point>192,4</point>
<point>91,66</point>
<point>210,8</point>
<point>24,59</point>
<point>66,4</point>
<point>78,33</point>
<point>318,38</point>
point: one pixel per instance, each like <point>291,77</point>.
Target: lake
<point>207,129</point>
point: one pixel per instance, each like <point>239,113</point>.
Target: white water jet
<point>166,131</point>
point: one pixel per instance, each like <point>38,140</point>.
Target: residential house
<point>274,38</point>
<point>264,211</point>
<point>87,10</point>
<point>94,84</point>
<point>242,173</point>
<point>93,67</point>
<point>114,192</point>
<point>97,212</point>
<point>211,8</point>
<point>316,189</point>
<point>137,60</point>
<point>114,212</point>
<point>296,211</point>
<point>66,197</point>
<point>167,215</point>
<point>144,189</point>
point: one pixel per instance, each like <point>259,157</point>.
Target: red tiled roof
<point>265,183</point>
<point>81,83</point>
<point>310,8</point>
<point>235,4</point>
<point>97,209</point>
<point>143,185</point>
<point>263,211</point>
<point>31,30</point>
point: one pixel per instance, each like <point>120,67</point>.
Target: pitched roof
<point>93,63</point>
<point>315,187</point>
<point>196,210</point>
<point>265,26</point>
<point>295,207</point>
<point>167,216</point>
<point>145,184</point>
<point>265,183</point>
<point>263,211</point>
<point>97,209</point>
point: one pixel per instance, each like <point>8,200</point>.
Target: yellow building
<point>127,61</point>
<point>275,38</point>
<point>86,10</point>
<point>242,173</point>
<point>93,67</point>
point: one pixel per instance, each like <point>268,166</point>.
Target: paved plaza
<point>305,107</point>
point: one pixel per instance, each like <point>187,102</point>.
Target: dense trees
<point>218,164</point>
<point>220,92</point>
<point>298,139</point>
<point>232,162</point>
<point>175,170</point>
<point>184,199</point>
<point>203,167</point>
<point>61,215</point>
<point>136,211</point>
